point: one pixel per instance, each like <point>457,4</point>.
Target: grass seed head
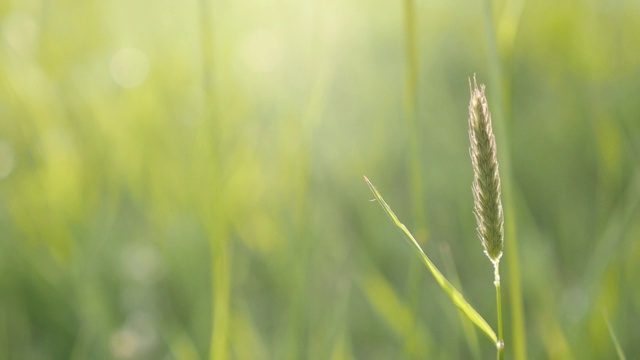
<point>486,178</point>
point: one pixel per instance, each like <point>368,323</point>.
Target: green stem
<point>411,118</point>
<point>501,112</point>
<point>500,343</point>
<point>414,277</point>
<point>221,256</point>
<point>221,287</point>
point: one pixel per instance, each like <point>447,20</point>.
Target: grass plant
<point>488,211</point>
<point>499,52</point>
<point>487,191</point>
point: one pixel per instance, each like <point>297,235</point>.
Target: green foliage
<point>163,191</point>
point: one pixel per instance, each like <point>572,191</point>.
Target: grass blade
<point>614,338</point>
<point>468,330</point>
<point>453,294</point>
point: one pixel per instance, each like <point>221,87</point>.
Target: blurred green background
<point>183,180</point>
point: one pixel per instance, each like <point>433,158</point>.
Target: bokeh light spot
<point>129,67</point>
<point>142,263</point>
<point>20,31</point>
<point>261,50</point>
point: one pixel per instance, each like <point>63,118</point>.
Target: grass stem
<point>414,277</point>
<point>502,111</point>
<point>220,248</point>
<point>496,282</point>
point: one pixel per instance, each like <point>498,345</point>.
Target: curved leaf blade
<point>449,289</point>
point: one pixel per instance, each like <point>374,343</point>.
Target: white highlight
<point>20,31</point>
<point>261,50</point>
<point>129,67</point>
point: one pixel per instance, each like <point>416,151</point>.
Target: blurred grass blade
<point>614,338</point>
<point>399,315</point>
<point>454,294</point>
<point>468,330</point>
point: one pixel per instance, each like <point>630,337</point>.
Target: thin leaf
<point>454,294</point>
<point>614,338</point>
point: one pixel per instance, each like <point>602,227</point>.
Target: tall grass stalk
<point>411,117</point>
<point>415,164</point>
<point>488,211</point>
<point>501,110</point>
<point>486,190</point>
<point>211,211</point>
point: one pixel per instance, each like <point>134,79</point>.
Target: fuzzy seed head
<point>486,178</point>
